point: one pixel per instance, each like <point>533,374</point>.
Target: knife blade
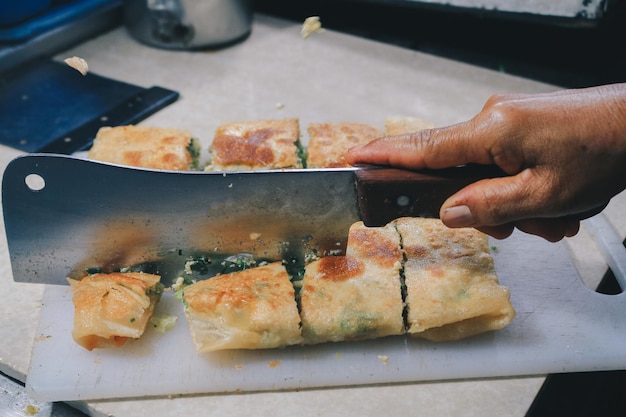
<point>64,214</point>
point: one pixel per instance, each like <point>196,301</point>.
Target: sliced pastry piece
<point>146,147</point>
<point>111,308</point>
<point>262,144</point>
<point>398,125</point>
<point>452,290</point>
<point>357,296</point>
<point>250,309</point>
<point>328,142</point>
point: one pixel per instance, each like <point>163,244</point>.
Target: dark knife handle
<point>385,194</point>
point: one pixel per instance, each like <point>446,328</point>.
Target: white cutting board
<point>561,326</point>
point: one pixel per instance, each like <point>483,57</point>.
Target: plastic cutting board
<point>47,106</point>
<point>561,326</point>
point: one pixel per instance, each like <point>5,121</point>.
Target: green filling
<point>301,154</point>
<point>194,151</point>
<point>197,264</point>
<point>156,290</point>
<point>93,270</point>
<point>359,323</point>
<point>295,270</point>
<point>403,288</point>
<point>463,294</point>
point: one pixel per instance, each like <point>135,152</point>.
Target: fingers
<point>498,206</point>
<point>526,201</point>
<point>499,232</point>
<point>590,213</point>
<point>401,151</point>
<point>430,148</point>
<point>552,230</point>
<point>496,201</point>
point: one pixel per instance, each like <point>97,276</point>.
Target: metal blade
<point>90,214</point>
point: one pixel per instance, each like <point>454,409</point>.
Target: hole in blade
<point>35,182</point>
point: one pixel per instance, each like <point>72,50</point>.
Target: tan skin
<point>564,152</point>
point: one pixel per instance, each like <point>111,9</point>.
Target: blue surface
<point>60,13</point>
<point>48,99</point>
<point>13,12</point>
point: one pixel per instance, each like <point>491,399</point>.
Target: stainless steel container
<point>188,24</point>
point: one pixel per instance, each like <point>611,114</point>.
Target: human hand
<point>564,153</point>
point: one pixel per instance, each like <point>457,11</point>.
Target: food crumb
<point>238,367</point>
<point>255,236</point>
<point>79,64</point>
<point>273,364</point>
<point>163,322</point>
<point>280,106</point>
<point>31,410</point>
<point>311,25</point>
<point>383,358</point>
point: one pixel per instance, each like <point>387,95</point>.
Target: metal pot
<point>188,24</point>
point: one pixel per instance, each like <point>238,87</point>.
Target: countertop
<point>275,73</point>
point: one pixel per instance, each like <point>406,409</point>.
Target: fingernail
<point>459,216</point>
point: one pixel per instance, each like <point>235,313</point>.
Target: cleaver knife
<point>64,215</point>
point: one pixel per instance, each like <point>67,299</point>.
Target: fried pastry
<point>250,309</point>
<point>328,142</point>
<point>452,290</point>
<point>262,144</point>
<point>356,296</point>
<point>146,147</point>
<point>111,308</point>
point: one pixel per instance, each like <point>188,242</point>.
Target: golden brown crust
<point>339,268</point>
<point>110,308</point>
<point>402,125</point>
<point>262,144</point>
<point>250,309</point>
<point>356,296</point>
<point>378,245</point>
<point>452,287</point>
<point>144,146</point>
<point>328,142</point>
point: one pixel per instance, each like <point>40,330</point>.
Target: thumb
<point>496,201</point>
